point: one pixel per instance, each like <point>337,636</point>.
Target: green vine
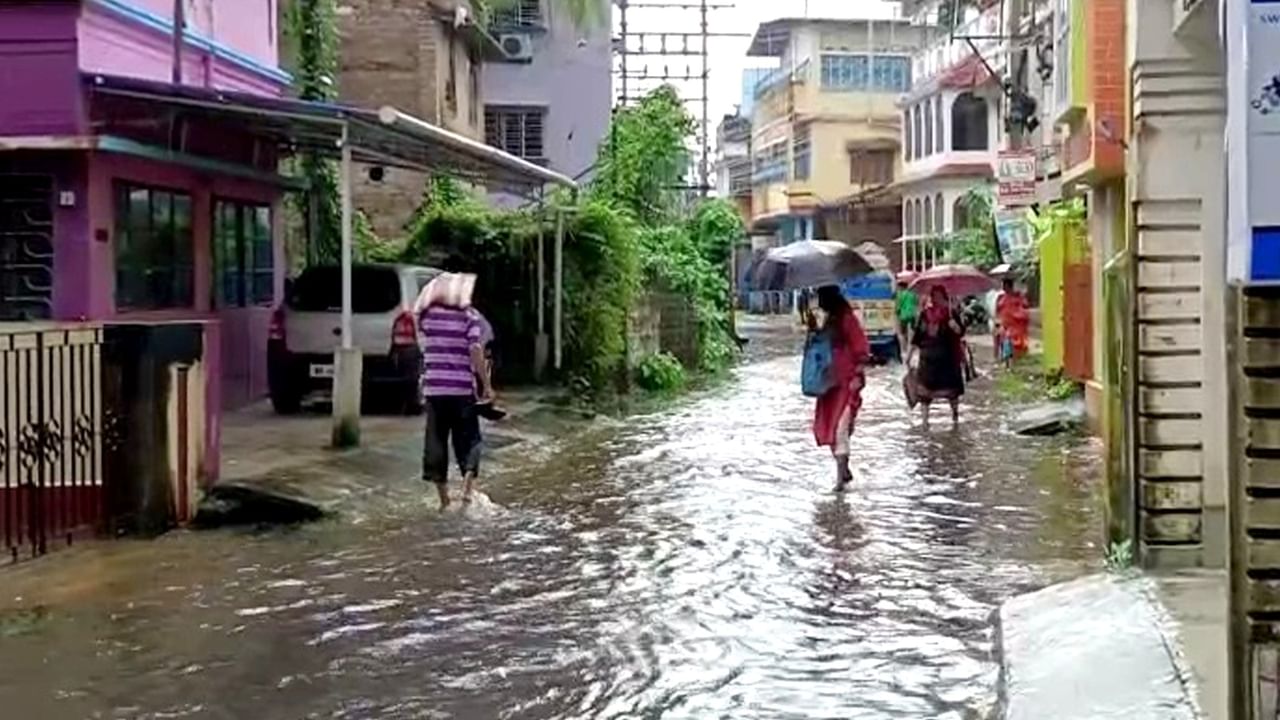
<point>632,231</point>
<point>311,29</point>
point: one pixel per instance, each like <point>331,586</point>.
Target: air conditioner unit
<point>517,47</point>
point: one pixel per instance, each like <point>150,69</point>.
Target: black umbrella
<point>807,263</point>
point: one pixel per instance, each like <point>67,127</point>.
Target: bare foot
<point>468,489</point>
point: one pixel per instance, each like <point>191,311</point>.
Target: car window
<point>425,276</point>
<point>373,290</point>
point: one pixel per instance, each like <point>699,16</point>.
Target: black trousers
<point>451,420</point>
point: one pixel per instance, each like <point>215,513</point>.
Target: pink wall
<point>39,41</point>
<point>105,169</point>
<point>112,43</point>
<point>247,26</point>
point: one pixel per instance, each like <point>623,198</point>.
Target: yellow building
<point>825,125</point>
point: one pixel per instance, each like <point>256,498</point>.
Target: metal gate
<point>26,246</point>
<point>51,430</point>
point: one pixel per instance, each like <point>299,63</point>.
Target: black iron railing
<point>51,435</point>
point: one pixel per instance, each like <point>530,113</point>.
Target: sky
<point>728,56</point>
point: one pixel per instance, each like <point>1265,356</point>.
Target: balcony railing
<point>951,49</point>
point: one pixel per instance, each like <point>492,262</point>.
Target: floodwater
<point>692,563</point>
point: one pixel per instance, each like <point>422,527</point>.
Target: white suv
<point>307,329</point>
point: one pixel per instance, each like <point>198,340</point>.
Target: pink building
<point>124,209</point>
<point>115,208</point>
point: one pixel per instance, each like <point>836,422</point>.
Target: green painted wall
<point>1053,251</point>
<point>1079,55</point>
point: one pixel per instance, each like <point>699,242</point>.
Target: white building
<point>951,134</point>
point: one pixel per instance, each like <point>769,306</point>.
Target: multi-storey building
<point>825,123</point>
<point>733,162</point>
<point>951,134</point>
<point>547,97</point>
<point>425,58</point>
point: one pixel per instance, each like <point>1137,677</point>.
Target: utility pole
<point>179,29</point>
<point>704,167</point>
<point>669,42</point>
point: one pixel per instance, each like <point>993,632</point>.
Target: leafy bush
<point>660,372</point>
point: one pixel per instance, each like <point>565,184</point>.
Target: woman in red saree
<point>1014,317</point>
<point>837,409</point>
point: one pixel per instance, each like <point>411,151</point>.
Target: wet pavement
<point>691,563</point>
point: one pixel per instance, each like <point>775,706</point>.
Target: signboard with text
<point>1016,178</point>
<point>1253,127</point>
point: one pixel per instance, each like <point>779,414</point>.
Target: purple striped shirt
<point>446,337</point>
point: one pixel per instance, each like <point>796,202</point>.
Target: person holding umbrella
<point>938,341</point>
<point>836,350</point>
<point>836,410</point>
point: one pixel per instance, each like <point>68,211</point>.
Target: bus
<point>872,299</point>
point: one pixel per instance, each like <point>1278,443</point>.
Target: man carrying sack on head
<point>455,380</point>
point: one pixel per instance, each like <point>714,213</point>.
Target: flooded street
<point>691,563</point>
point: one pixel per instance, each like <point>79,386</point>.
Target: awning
<point>386,137</point>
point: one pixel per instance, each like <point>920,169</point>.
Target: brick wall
<point>1105,73</point>
<point>396,52</point>
<point>1105,44</point>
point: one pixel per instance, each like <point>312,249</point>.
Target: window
<point>917,145</point>
<point>1061,55</point>
<point>154,268</point>
<point>771,164</point>
<point>906,135</point>
<point>939,214</point>
<point>960,215</point>
<point>374,290</point>
<point>844,72</point>
<point>919,228</point>
<point>940,140</point>
<point>518,14</point>
<point>800,153</point>
<point>871,167</point>
<point>243,255</point>
<point>969,123</point>
<point>908,219</point>
<point>928,215</point>
<point>518,131</point>
<point>891,74</point>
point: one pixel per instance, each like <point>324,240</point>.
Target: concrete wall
<point>1176,176</point>
<point>570,76</point>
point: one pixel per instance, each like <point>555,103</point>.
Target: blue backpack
<point>815,373</point>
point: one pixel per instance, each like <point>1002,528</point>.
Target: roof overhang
<point>386,137</point>
<point>771,39</point>
<point>976,171</point>
<point>968,74</point>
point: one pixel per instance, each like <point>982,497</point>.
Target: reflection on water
<point>690,564</point>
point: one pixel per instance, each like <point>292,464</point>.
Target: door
<point>243,289</point>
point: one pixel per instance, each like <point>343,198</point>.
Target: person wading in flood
<point>938,339</point>
<point>455,377</point>
<point>837,408</point>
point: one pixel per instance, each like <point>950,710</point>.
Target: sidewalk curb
<point>1069,620</point>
